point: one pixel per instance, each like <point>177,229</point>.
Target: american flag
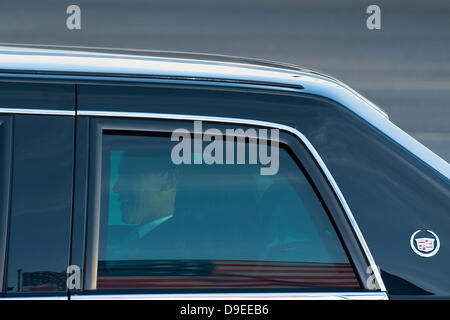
<point>229,274</point>
<point>44,281</point>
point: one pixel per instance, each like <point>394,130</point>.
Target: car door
<point>189,205</point>
<point>37,122</point>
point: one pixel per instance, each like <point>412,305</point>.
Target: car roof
<point>206,57</point>
<point>108,62</point>
<point>163,64</point>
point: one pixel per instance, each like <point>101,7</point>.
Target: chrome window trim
<point>266,124</point>
<point>241,296</point>
<point>43,112</point>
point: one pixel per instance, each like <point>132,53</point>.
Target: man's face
<point>144,194</point>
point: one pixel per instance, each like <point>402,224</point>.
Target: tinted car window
<point>167,226</point>
<point>41,204</point>
<point>5,166</point>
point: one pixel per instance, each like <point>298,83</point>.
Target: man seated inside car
<point>146,190</point>
<point>185,212</point>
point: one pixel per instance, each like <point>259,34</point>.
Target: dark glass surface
<point>219,226</point>
<point>391,193</point>
<point>41,204</point>
<point>5,171</point>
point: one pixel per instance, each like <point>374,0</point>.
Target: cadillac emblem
<point>425,244</point>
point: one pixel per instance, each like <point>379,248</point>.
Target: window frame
<point>91,125</point>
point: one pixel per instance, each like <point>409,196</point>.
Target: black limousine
<point>158,175</point>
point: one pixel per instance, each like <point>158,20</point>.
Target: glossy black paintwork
<point>29,95</point>
<point>391,193</point>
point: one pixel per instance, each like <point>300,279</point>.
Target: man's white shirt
<point>121,250</point>
<point>150,226</point>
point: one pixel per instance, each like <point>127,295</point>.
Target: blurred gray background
<point>404,67</point>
